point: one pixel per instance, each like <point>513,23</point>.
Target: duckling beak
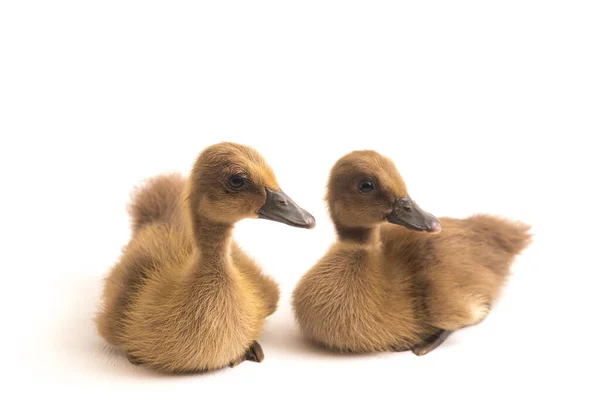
<point>279,207</point>
<point>408,214</point>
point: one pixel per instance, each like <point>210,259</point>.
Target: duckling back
<point>482,240</point>
<point>155,209</point>
<point>509,237</point>
<point>158,200</point>
<point>463,269</point>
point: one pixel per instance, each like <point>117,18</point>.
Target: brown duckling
<point>184,297</point>
<point>388,283</point>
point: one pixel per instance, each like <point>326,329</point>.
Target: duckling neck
<point>360,235</point>
<point>213,239</point>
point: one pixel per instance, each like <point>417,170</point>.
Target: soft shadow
<point>283,335</point>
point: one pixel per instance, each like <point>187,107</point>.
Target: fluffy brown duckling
<point>388,283</point>
<point>184,297</point>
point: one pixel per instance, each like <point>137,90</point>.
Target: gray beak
<point>281,208</point>
<point>408,214</point>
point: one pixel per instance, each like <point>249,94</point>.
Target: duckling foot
<point>254,353</point>
<point>133,360</point>
<point>431,343</point>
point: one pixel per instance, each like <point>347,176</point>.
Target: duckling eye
<point>236,181</point>
<point>365,186</point>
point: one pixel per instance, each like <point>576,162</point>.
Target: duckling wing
<point>499,233</point>
<point>480,240</point>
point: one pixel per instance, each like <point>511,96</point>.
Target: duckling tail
<point>156,200</point>
<point>511,236</point>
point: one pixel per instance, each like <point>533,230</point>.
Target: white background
<point>484,106</point>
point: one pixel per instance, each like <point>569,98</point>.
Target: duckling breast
<point>349,303</point>
<point>196,324</point>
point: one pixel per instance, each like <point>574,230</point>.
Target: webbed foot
<point>133,360</point>
<point>431,343</point>
<point>254,353</point>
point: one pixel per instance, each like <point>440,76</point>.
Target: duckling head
<point>365,189</point>
<point>230,182</point>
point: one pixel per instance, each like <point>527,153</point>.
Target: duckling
<point>184,297</point>
<point>394,280</point>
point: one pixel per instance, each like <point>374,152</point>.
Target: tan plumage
<point>184,297</point>
<point>384,287</point>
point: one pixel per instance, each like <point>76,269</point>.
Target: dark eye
<point>236,181</point>
<point>365,186</point>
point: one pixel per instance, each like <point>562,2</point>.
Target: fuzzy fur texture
<point>184,297</point>
<point>382,287</point>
